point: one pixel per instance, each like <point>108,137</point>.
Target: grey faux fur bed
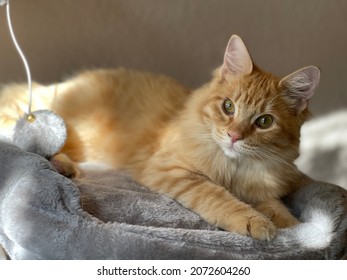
<point>105,215</point>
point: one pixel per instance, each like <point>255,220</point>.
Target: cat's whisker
<point>260,152</point>
<point>197,137</point>
<point>279,154</point>
<point>273,157</point>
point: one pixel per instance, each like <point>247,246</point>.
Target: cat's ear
<point>237,60</point>
<point>300,86</point>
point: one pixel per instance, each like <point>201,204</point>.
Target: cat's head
<point>253,113</point>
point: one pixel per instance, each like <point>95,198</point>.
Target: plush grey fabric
<point>105,215</point>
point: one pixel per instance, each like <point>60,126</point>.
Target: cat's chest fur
<point>249,180</point>
<point>253,181</point>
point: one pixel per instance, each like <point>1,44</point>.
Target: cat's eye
<point>264,121</point>
<point>228,107</point>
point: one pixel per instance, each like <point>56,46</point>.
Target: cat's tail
<point>321,212</point>
<point>316,233</point>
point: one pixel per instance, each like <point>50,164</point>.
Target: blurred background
<point>184,39</point>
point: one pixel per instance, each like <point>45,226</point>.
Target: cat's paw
<point>65,166</point>
<point>256,226</point>
<point>261,228</point>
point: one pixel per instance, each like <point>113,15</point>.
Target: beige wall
<point>181,38</point>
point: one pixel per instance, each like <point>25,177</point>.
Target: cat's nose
<point>234,136</point>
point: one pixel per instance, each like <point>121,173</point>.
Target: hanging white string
<point>25,62</point>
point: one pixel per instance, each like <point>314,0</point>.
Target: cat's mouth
<point>232,150</point>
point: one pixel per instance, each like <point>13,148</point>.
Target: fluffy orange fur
<point>223,165</point>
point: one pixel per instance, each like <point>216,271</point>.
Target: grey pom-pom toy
<point>41,132</point>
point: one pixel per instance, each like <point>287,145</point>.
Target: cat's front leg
<point>277,212</point>
<point>213,203</point>
<point>65,165</point>
<point>217,206</point>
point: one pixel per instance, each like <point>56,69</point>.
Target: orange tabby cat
<point>226,150</point>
